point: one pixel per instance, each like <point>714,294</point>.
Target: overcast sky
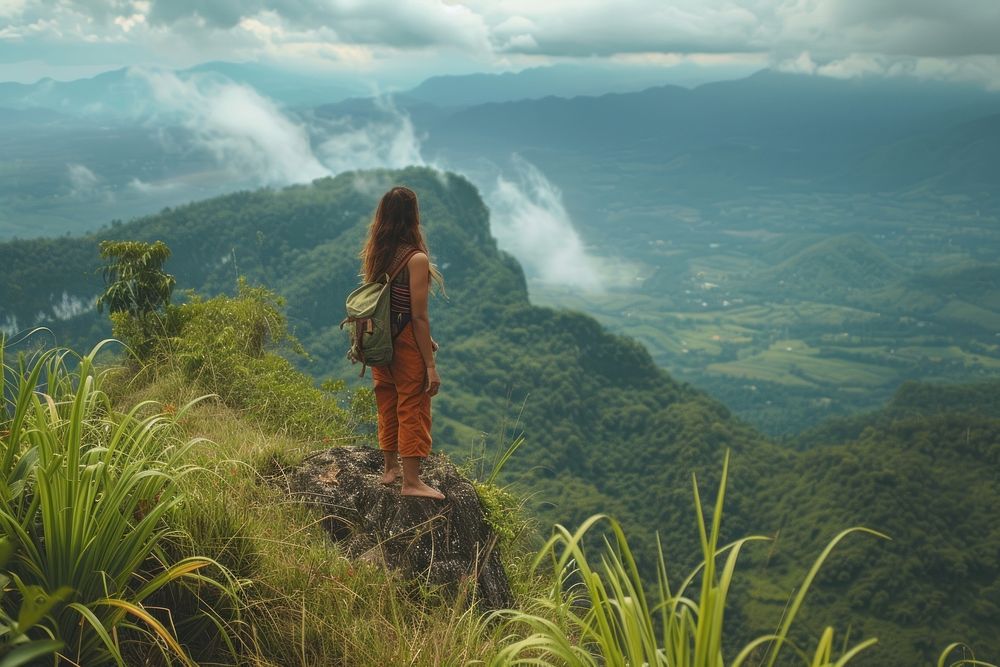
<point>399,41</point>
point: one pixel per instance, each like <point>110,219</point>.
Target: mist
<point>246,132</point>
<point>257,142</point>
<point>530,221</point>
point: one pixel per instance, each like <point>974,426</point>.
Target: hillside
<point>921,469</point>
<point>830,270</point>
<point>606,429</point>
<point>964,157</point>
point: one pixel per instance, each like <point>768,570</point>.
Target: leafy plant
<point>84,494</point>
<point>136,282</point>
<point>225,345</point>
<point>137,289</point>
<point>15,647</point>
<point>603,616</point>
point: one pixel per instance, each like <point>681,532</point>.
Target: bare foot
<point>391,475</point>
<point>421,489</point>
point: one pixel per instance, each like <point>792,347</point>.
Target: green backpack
<point>368,311</point>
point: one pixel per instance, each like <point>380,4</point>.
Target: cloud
<point>9,326</point>
<point>245,131</point>
<point>590,27</point>
<point>10,8</point>
<point>529,220</point>
<point>70,306</point>
<point>408,24</point>
<point>980,70</point>
<point>149,188</point>
<point>262,144</point>
<point>82,180</point>
<point>391,142</point>
<point>389,36</point>
<point>920,28</point>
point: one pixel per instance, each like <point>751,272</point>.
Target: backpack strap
<point>406,258</point>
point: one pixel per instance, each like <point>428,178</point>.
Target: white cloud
<point>390,143</point>
<point>81,178</point>
<point>529,220</point>
<point>148,188</point>
<point>245,131</point>
<point>802,64</point>
<point>70,306</point>
<point>9,326</point>
<point>979,70</point>
<point>393,35</point>
<point>9,8</point>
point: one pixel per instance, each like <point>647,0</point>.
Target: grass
<point>85,491</point>
<point>302,601</point>
<point>308,603</point>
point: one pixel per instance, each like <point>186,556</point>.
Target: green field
<point>802,315</point>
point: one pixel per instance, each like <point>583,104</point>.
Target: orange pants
<point>404,408</point>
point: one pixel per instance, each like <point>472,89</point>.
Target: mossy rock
<point>438,542</point>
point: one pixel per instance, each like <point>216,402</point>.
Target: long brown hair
<point>396,223</point>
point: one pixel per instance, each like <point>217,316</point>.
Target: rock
<point>434,541</point>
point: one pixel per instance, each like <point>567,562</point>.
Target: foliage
<point>136,283</point>
<point>16,648</point>
<point>137,289</point>
<point>225,345</point>
<point>606,618</point>
<point>84,494</point>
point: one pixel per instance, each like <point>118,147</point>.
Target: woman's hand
<point>434,345</point>
<point>433,382</point>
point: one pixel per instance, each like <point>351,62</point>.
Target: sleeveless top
<point>399,292</point>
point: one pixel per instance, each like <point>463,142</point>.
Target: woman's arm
<point>419,268</point>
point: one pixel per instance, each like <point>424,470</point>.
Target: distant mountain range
<point>117,92</point>
<point>772,130</point>
<point>120,92</point>
<point>565,80</point>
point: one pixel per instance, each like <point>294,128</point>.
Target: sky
<point>400,42</point>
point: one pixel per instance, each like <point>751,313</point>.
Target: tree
<point>136,282</point>
<point>137,289</point>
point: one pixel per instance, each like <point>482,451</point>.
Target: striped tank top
<point>399,292</point>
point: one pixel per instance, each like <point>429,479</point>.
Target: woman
<point>403,390</point>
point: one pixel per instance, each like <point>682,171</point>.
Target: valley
<point>791,311</point>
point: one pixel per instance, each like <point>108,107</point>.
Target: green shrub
<point>84,494</point>
<point>225,345</point>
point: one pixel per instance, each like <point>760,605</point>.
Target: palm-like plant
<point>84,494</point>
<point>137,290</point>
<point>136,282</point>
